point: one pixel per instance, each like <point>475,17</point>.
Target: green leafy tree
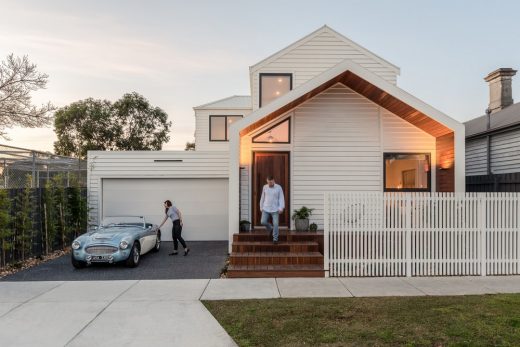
<point>190,146</point>
<point>143,126</point>
<point>76,213</point>
<point>85,125</point>
<point>131,123</point>
<point>5,225</point>
<point>23,225</point>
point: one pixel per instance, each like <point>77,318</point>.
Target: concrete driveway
<point>205,260</point>
<point>107,313</point>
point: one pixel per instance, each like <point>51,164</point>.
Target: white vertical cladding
<point>400,136</point>
<point>316,55</point>
<point>336,147</point>
<point>202,142</point>
<point>476,156</point>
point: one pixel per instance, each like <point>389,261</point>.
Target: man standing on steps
<point>272,204</point>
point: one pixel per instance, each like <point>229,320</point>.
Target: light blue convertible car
<point>118,239</point>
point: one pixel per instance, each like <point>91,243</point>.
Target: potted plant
<point>313,227</point>
<point>245,226</point>
<point>301,218</point>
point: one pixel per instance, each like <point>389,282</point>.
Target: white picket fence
<point>422,234</point>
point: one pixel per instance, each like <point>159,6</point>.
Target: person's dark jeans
<point>176,235</point>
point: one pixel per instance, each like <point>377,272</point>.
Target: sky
<point>181,54</point>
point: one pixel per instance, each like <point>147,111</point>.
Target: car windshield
<point>126,221</point>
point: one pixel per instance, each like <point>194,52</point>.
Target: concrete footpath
<point>169,312</point>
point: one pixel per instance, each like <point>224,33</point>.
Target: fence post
<point>482,228</point>
<point>408,225</point>
<point>326,223</point>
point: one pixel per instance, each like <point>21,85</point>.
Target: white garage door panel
<point>203,203</point>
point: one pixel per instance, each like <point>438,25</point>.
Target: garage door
<point>203,203</point>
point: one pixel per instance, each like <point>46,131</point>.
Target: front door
<point>277,165</point>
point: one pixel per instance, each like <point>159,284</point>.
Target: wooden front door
<point>277,165</point>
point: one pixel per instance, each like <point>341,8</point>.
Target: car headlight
<point>123,244</point>
<point>76,245</point>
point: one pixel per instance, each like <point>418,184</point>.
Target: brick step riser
<point>281,238</point>
<point>273,274</point>
<point>275,248</point>
<point>237,260</point>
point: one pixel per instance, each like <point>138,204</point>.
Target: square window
<point>407,172</point>
<point>273,86</point>
<point>219,127</point>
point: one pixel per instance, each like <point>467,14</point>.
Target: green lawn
<point>488,320</point>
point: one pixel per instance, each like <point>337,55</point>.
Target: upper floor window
<point>409,172</point>
<point>219,125</point>
<point>278,133</point>
<point>273,85</point>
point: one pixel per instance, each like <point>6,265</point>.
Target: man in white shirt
<point>272,203</point>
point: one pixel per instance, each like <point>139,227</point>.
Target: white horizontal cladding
<point>476,157</point>
<point>401,136</point>
<point>336,146</point>
<point>422,234</point>
<point>150,164</point>
<point>505,152</point>
<point>202,128</point>
<point>318,54</point>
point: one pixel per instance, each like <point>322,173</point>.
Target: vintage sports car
<point>118,239</point>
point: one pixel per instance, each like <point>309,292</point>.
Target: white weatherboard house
<point>324,115</point>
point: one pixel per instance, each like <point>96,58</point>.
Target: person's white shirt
<point>272,199</point>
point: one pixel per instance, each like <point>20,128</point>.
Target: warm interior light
<point>280,80</point>
<point>270,138</point>
<point>277,93</point>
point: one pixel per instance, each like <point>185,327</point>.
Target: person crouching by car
<point>176,217</point>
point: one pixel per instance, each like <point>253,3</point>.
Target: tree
<point>85,125</point>
<point>143,127</point>
<point>5,230</point>
<point>18,78</point>
<point>131,123</point>
<point>190,146</point>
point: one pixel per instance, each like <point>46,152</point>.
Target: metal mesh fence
<point>20,167</point>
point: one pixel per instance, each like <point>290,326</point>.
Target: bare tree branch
<point>18,78</point>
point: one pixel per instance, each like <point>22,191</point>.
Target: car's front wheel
<point>135,256</point>
<point>157,243</point>
<point>78,264</point>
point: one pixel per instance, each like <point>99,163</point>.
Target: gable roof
<point>507,117</point>
<point>366,83</point>
<point>323,29</point>
<point>238,102</point>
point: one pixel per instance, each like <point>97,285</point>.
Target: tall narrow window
<point>219,127</point>
<point>409,172</point>
<point>274,85</point>
<point>278,133</point>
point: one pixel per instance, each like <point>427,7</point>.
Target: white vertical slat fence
<point>422,234</point>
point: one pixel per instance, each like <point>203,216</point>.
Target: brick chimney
<point>500,90</point>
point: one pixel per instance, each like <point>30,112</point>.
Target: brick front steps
<point>297,254</point>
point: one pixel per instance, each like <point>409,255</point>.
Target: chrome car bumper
<point>101,254</point>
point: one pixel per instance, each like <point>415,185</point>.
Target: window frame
<point>225,116</point>
<point>253,140</point>
<point>281,74</point>
<point>428,189</point>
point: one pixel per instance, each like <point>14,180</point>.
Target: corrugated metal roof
<point>506,117</point>
<point>232,102</point>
